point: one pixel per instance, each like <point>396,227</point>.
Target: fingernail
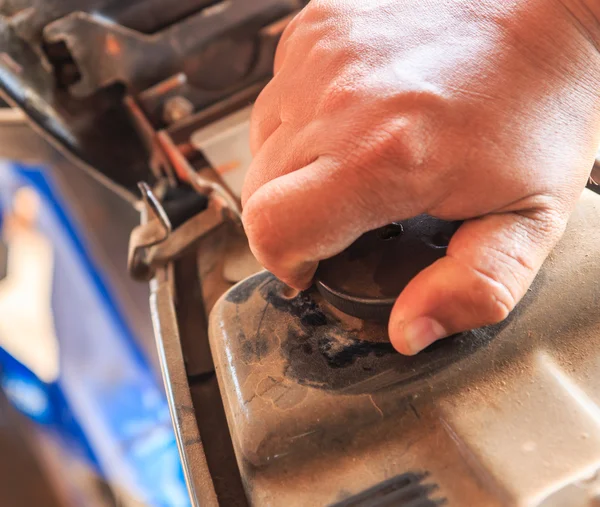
<point>421,333</point>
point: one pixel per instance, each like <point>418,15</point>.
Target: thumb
<point>490,264</point>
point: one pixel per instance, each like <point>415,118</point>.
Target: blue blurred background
<point>77,357</point>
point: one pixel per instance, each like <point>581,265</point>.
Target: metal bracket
<point>154,242</point>
<point>155,228</point>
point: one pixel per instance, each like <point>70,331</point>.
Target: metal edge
<point>191,451</point>
<point>64,151</point>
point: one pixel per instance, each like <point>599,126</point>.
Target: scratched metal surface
<point>508,415</point>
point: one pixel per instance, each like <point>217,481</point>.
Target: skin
<point>485,111</point>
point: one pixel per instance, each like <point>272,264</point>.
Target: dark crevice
<point>201,378</point>
<point>204,389</point>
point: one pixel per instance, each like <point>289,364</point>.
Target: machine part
<point>158,163</point>
<point>213,190</point>
<point>225,145</point>
<point>177,108</point>
<point>406,490</point>
<point>106,53</point>
<point>154,229</point>
<point>212,422</point>
<point>185,237</point>
<point>239,263</point>
<point>261,52</point>
<point>192,318</point>
<point>96,133</point>
<point>321,408</point>
<point>157,241</point>
<point>215,51</point>
<point>182,131</point>
<point>196,471</point>
<point>214,251</point>
<point>366,278</point>
<point>205,446</point>
<point>29,17</point>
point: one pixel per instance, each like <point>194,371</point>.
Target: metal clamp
<point>155,228</point>
<point>154,242</point>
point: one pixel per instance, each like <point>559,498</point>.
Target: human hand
<point>487,112</point>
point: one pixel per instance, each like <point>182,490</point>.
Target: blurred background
<point>83,416</point>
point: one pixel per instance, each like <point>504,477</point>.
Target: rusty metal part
<point>146,250</point>
<point>366,278</point>
<point>507,415</point>
<point>106,53</point>
<point>158,162</point>
<point>185,237</point>
<point>214,191</point>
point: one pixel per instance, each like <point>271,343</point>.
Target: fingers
<point>313,213</point>
<point>284,217</point>
<point>265,116</point>
<point>286,150</point>
<point>489,266</point>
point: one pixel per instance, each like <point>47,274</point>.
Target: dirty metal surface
<point>320,408</point>
<point>182,294</point>
<point>106,52</point>
<point>405,490</point>
<point>183,291</point>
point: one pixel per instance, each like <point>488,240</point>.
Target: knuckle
<point>267,101</point>
<point>292,26</point>
<point>398,143</point>
<point>340,95</point>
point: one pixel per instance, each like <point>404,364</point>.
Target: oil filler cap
<point>365,279</point>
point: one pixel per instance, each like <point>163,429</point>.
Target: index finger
<point>311,214</point>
